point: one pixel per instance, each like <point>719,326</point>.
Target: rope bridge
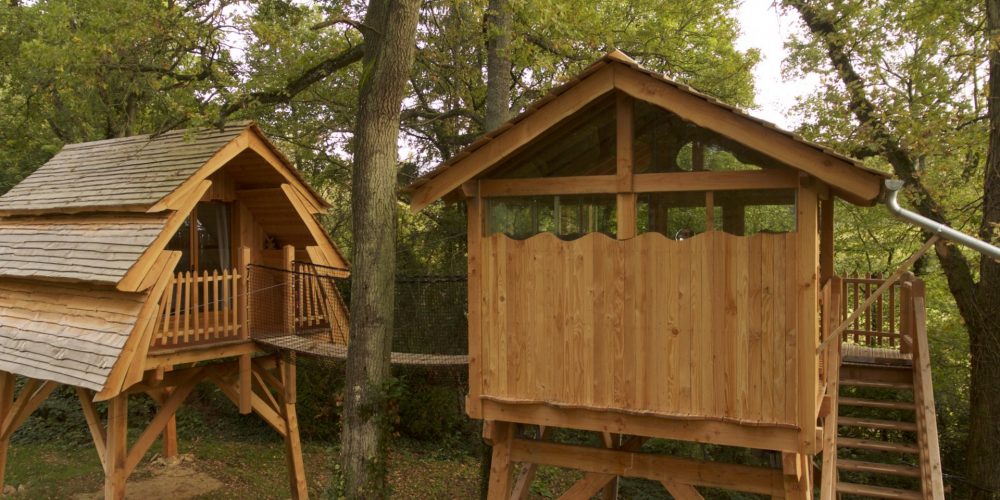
<point>305,310</point>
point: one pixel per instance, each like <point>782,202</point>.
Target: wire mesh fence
<point>305,310</point>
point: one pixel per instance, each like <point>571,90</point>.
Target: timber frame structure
<point>647,262</point>
<point>125,268</point>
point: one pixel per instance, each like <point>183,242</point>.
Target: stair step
<point>877,468</point>
<point>868,444</point>
<point>878,491</point>
<point>875,423</point>
<point>876,383</point>
<point>874,403</point>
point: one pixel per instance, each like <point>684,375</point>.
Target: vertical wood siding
<point>703,327</point>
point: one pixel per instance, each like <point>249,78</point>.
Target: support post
<point>117,448</point>
<point>6,402</point>
<point>826,240</point>
<point>501,467</point>
<point>244,288</point>
<point>169,436</point>
<point>293,447</point>
<point>626,198</point>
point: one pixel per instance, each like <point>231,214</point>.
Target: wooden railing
<point>829,383</point>
<point>201,307</point>
<point>915,322</point>
<point>877,325</point>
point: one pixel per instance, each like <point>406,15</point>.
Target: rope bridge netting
<point>305,310</point>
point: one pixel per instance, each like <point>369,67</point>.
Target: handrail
<point>832,295</point>
<point>891,280</point>
<point>937,228</point>
<point>923,395</point>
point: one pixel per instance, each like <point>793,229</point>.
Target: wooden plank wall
<point>693,328</point>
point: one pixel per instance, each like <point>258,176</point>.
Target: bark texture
<point>978,301</point>
<point>499,22</point>
<point>984,327</point>
<point>389,30</point>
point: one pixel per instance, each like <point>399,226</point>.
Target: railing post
<point>906,313</point>
<point>288,258</point>
<point>243,323</point>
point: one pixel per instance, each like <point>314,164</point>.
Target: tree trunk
<point>978,302</point>
<point>390,31</point>
<point>984,334</point>
<point>498,66</point>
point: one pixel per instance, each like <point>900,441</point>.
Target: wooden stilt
<point>796,475</point>
<point>523,484</point>
<point>501,466</point>
<point>6,401</point>
<point>117,448</point>
<point>293,447</point>
<point>169,436</point>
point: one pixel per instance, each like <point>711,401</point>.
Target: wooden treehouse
<point>648,262</point>
<point>150,264</point>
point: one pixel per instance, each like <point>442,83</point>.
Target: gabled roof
<point>848,177</point>
<point>135,173</point>
<point>93,248</point>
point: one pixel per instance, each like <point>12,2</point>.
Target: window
<point>664,142</point>
<point>568,217</point>
<point>204,239</point>
<point>681,215</point>
<point>750,212</point>
<point>677,216</point>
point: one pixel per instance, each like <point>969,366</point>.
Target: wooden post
<point>796,476</point>
<point>626,199</point>
<point>293,447</point>
<point>807,335</point>
<point>474,206</point>
<point>288,258</point>
<point>243,270</point>
<point>6,402</point>
<point>169,435</point>
<point>826,240</point>
<point>117,448</point>
<point>501,466</point>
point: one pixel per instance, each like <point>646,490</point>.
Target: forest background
<point>904,85</point>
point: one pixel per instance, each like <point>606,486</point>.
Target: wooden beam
<point>7,381</point>
<point>117,445</point>
<point>476,263</point>
<point>923,391</point>
<point>501,465</point>
<point>514,138</point>
<point>697,430</point>
<point>293,447</point>
<point>322,239</point>
<point>681,491</point>
<point>852,183</point>
<point>93,423</point>
<point>807,338</point>
<point>159,422</point>
<point>31,396</point>
<point>259,406</point>
<point>134,277</point>
<point>522,486</point>
<point>826,239</point>
<point>650,466</point>
<point>715,181</point>
<point>175,200</point>
<point>544,186</point>
<point>626,199</point>
<point>169,436</point>
<point>592,482</point>
<point>196,354</point>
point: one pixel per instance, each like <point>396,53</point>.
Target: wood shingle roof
<point>97,249</point>
<point>130,173</point>
<point>65,332</point>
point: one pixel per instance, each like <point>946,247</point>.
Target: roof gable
<point>617,72</point>
<point>141,173</point>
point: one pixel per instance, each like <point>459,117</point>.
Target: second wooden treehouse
<point>646,261</point>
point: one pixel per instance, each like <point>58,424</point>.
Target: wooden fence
<point>201,307</point>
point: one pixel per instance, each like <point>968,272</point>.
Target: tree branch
<point>295,86</point>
